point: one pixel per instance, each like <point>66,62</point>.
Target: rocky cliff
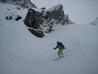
<point>44,20</point>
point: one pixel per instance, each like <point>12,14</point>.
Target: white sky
<point>80,11</point>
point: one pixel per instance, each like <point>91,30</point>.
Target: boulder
<point>33,19</point>
<point>37,33</point>
<point>8,17</point>
<point>18,18</point>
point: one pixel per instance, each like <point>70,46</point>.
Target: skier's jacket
<point>60,46</point>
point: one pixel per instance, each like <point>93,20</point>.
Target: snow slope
<point>23,53</point>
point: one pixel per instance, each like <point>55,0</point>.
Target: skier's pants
<point>60,52</point>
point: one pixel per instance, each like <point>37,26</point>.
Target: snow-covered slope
<point>23,53</point>
<point>22,3</point>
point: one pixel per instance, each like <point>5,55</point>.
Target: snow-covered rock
<point>22,3</point>
<point>47,19</point>
<point>95,22</point>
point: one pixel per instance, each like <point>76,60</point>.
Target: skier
<point>61,48</point>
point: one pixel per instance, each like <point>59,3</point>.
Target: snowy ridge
<point>22,3</point>
<point>23,53</point>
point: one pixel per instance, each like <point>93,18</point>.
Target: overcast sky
<point>80,11</point>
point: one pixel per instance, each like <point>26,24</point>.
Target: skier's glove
<point>54,48</point>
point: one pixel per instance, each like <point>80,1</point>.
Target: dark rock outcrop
<point>45,20</point>
<point>10,17</point>
<point>18,18</point>
<point>37,33</point>
<point>33,19</point>
<point>56,13</point>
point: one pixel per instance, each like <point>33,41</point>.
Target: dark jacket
<point>60,46</point>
